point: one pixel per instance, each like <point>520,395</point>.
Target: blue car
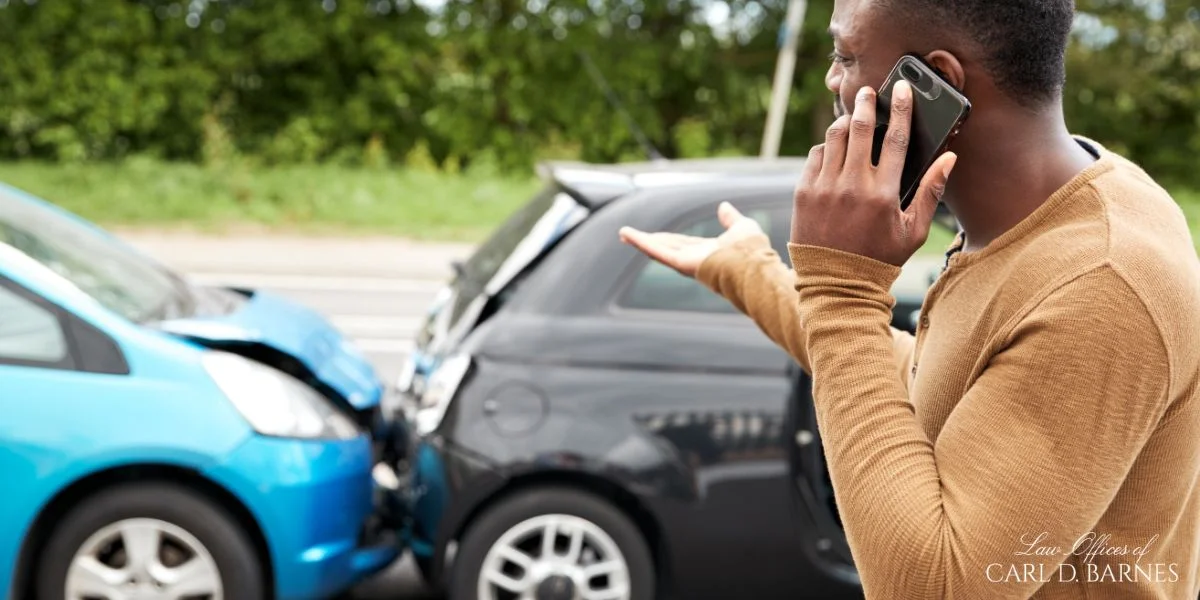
<point>161,439</point>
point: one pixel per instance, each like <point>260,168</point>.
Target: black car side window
<point>658,287</point>
<point>30,333</point>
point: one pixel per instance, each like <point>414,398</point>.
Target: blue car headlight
<point>275,403</point>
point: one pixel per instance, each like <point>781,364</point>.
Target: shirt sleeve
<point>1038,445</point>
<point>753,277</point>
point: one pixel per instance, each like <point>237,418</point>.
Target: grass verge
<point>308,199</point>
<point>316,199</point>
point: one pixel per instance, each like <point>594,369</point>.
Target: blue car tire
<point>143,538</point>
<point>549,541</point>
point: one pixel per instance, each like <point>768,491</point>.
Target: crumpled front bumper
<point>316,504</point>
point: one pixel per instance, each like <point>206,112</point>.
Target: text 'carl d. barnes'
<point>1089,546</point>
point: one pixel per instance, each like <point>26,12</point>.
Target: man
<point>1040,434</point>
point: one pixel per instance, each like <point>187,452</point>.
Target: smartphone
<point>939,111</point>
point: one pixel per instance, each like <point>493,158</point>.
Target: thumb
<point>933,186</point>
<point>727,215</point>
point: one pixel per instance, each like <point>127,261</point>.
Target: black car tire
<point>237,561</point>
<point>507,513</point>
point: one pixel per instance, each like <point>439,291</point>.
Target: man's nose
<point>833,79</point>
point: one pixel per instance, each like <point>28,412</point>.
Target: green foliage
<point>1134,82</point>
<point>378,83</point>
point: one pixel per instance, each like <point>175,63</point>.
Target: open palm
<point>684,253</point>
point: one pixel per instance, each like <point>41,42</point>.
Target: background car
<point>588,421</point>
<point>163,438</point>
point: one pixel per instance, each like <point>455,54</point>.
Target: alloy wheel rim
<point>143,559</point>
<point>554,557</point>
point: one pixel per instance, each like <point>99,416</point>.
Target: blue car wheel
<point>149,540</point>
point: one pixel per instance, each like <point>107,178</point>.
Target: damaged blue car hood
<point>272,321</point>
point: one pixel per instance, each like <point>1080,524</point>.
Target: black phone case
<point>939,110</point>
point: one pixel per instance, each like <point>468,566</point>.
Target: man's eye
<point>838,58</point>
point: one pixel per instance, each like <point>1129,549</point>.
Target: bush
<point>378,82</point>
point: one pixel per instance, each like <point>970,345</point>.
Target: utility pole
<point>785,67</point>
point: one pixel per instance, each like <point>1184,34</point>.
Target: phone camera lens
<point>910,72</point>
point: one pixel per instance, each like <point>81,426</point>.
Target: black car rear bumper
<point>447,487</point>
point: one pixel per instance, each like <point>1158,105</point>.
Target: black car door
<point>820,522</point>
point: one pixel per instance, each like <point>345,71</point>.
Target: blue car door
<point>37,366</point>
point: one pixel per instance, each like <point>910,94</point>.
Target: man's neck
<point>1006,171</point>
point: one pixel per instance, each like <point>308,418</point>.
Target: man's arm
<point>751,275</point>
<point>1040,443</point>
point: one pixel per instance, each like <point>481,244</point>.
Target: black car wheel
<point>148,540</point>
<point>551,544</point>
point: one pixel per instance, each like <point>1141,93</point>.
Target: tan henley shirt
<point>1040,435</point>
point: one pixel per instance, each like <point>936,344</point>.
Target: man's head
<point>1009,51</point>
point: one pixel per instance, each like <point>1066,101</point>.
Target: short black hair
<point>1023,43</point>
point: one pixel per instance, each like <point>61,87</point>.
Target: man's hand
<point>684,253</point>
<point>845,203</point>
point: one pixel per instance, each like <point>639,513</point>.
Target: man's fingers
<point>728,215</point>
<point>812,165</point>
<point>652,245</point>
<point>642,240</point>
<point>895,144</point>
<point>835,147</point>
<point>933,186</point>
<point>675,241</point>
<point>862,133</point>
<point>629,235</point>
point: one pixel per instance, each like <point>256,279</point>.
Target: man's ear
<point>950,67</point>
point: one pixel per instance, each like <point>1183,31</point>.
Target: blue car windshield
<point>119,278</point>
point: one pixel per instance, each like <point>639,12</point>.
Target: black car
<point>589,424</point>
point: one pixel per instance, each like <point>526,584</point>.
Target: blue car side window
<point>29,333</point>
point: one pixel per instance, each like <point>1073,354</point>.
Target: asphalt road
<point>375,290</point>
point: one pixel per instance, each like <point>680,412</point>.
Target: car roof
<point>597,184</point>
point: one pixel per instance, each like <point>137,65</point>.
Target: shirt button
<point>924,321</point>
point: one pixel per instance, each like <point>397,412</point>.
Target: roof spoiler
<point>590,186</point>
